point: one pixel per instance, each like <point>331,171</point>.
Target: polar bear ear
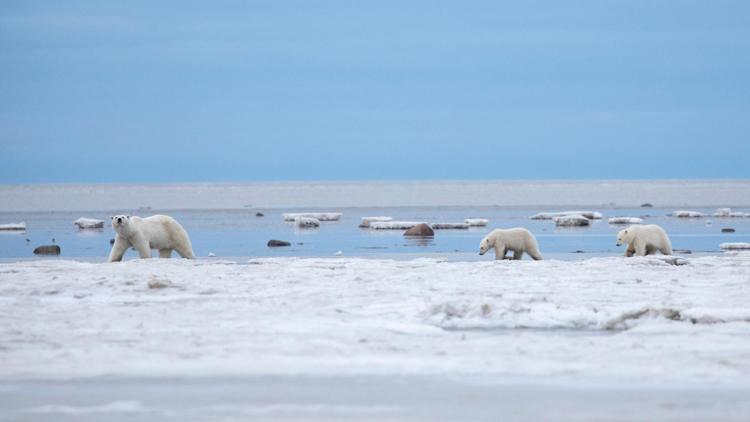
<point>625,231</point>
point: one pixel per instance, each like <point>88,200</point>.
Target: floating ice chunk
<point>13,226</point>
<point>393,225</point>
<point>477,222</point>
<point>306,222</point>
<point>448,226</point>
<point>591,215</point>
<point>321,216</point>
<point>89,223</point>
<point>625,220</point>
<point>575,220</point>
<point>211,255</point>
<point>366,221</point>
<point>735,246</point>
<point>727,212</point>
<point>687,214</point>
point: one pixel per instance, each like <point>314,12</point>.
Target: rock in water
<point>727,230</point>
<point>647,205</point>
<point>421,229</point>
<point>259,214</point>
<point>273,243</point>
<point>47,250</point>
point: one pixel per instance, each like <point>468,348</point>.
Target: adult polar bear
<point>644,240</point>
<point>518,240</point>
<point>160,232</point>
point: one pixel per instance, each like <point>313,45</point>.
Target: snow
<point>366,221</point>
<point>687,214</point>
<point>322,216</point>
<point>477,222</point>
<point>13,226</point>
<point>573,220</point>
<point>727,212</point>
<point>393,225</point>
<point>448,226</point>
<point>591,215</point>
<point>625,220</point>
<point>735,246</point>
<point>306,222</point>
<point>612,318</point>
<point>89,223</point>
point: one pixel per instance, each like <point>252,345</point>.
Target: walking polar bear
<point>518,240</point>
<point>156,232</point>
<point>644,240</point>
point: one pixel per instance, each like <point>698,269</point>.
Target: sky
<point>192,91</point>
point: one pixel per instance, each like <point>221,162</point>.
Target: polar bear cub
<point>160,232</point>
<point>644,240</point>
<point>518,240</point>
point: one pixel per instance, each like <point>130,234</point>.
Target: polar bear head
<point>624,236</point>
<point>121,224</point>
<point>486,244</point>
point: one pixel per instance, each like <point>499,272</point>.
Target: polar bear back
<point>649,235</point>
<point>162,231</point>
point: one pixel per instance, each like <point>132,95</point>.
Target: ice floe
<point>591,215</point>
<point>727,212</point>
<point>687,214</point>
<point>572,220</point>
<point>306,222</point>
<point>366,221</point>
<point>450,226</point>
<point>735,246</point>
<point>89,223</point>
<point>477,222</point>
<point>13,226</point>
<point>321,216</point>
<point>625,220</point>
<point>393,225</point>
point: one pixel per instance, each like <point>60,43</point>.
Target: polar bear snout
<point>119,220</point>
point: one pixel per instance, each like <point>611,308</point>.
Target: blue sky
<point>351,90</point>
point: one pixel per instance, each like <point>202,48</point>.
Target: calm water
<point>239,233</point>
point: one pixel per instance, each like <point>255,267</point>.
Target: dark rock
<point>259,214</point>
<point>579,251</point>
<point>273,243</point>
<point>727,230</point>
<point>47,250</point>
<point>421,229</point>
<point>111,241</point>
<point>647,205</point>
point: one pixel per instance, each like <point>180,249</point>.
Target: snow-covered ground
<point>598,320</point>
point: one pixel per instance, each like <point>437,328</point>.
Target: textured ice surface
<point>604,318</point>
<point>446,226</point>
<point>477,222</point>
<point>13,226</point>
<point>321,216</point>
<point>572,220</point>
<point>735,246</point>
<point>591,215</point>
<point>306,222</point>
<point>687,214</point>
<point>393,225</point>
<point>366,221</point>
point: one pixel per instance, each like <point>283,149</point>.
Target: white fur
<point>644,240</point>
<point>518,240</point>
<point>156,232</point>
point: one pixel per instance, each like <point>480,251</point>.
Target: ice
<point>477,222</point>
<point>13,226</point>
<point>573,220</point>
<point>625,220</point>
<point>306,222</point>
<point>733,246</point>
<point>446,226</point>
<point>366,221</point>
<point>591,215</point>
<point>321,216</point>
<point>727,212</point>
<point>393,225</point>
<point>687,214</point>
<point>89,223</point>
<point>611,318</point>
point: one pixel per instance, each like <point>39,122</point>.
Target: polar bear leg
<point>500,251</point>
<point>185,251</point>
<point>141,245</point>
<point>534,254</point>
<point>640,250</point>
<point>165,253</point>
<point>517,255</point>
<point>666,250</point>
<point>118,249</point>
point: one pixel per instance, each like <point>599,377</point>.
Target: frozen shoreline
<point>551,194</point>
<point>601,318</point>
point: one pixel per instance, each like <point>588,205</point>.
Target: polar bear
<point>518,240</point>
<point>156,232</point>
<point>644,240</point>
